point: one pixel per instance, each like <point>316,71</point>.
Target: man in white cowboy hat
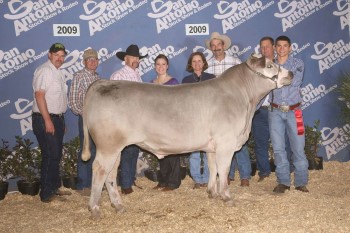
<point>220,62</point>
<point>129,154</point>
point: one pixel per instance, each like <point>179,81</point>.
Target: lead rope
<point>272,96</point>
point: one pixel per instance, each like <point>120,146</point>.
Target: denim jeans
<point>51,146</point>
<point>195,167</point>
<point>261,134</point>
<point>128,162</point>
<point>84,167</point>
<point>281,123</point>
<point>243,162</point>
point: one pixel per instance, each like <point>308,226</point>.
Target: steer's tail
<point>86,154</point>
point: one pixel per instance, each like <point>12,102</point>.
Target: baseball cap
<point>57,47</point>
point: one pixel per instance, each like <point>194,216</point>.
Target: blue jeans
<point>195,167</point>
<point>243,162</point>
<point>281,123</point>
<point>128,162</point>
<point>261,134</point>
<point>84,167</point>
<point>51,146</point>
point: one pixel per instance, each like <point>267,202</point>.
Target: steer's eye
<point>269,66</point>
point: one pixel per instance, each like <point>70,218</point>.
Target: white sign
<point>197,29</point>
<point>66,30</point>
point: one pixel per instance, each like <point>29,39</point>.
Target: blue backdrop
<point>319,30</point>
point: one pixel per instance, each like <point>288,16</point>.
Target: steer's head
<point>267,69</point>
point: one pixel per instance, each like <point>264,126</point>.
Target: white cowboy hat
<point>224,38</point>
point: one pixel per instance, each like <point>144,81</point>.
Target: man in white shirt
<point>50,103</point>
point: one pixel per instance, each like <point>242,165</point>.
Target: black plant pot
<point>314,165</point>
<point>152,174</point>
<point>70,182</point>
<point>4,187</point>
<point>28,188</point>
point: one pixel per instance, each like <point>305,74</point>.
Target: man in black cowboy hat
<point>129,155</point>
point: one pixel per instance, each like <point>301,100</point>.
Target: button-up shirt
<point>80,83</point>
<point>49,79</point>
<point>290,95</point>
<point>128,74</point>
<point>218,67</point>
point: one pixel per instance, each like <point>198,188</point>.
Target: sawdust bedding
<point>257,209</point>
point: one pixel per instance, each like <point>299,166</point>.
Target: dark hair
<point>161,56</point>
<point>283,38</point>
<point>189,67</point>
<point>267,38</point>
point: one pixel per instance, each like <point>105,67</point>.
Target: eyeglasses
<point>91,59</point>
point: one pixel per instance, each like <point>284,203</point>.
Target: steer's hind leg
<point>102,166</point>
<point>111,184</point>
<point>212,185</point>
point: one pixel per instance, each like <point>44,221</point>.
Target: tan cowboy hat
<point>132,50</point>
<point>224,38</point>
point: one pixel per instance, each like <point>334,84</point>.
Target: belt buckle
<point>284,108</point>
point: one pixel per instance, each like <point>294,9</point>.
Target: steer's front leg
<point>212,185</point>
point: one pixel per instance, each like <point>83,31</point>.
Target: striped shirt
<point>80,83</point>
<point>49,79</point>
<point>128,74</point>
<point>218,67</point>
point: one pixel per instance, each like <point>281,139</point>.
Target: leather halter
<point>273,78</point>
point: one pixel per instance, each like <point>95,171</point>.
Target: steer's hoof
<point>119,208</point>
<point>95,215</point>
<point>212,195</point>
<point>229,203</point>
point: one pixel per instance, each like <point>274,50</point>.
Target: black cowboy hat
<point>132,50</point>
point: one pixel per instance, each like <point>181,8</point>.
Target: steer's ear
<point>258,61</point>
<point>256,55</point>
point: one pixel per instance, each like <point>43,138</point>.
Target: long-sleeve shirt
<point>128,74</point>
<point>290,95</point>
<point>80,83</point>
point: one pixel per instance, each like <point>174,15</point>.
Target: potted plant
<point>69,163</point>
<point>152,172</point>
<point>5,166</point>
<point>26,163</point>
<point>312,143</point>
<point>344,91</point>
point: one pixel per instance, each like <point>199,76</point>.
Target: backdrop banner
<point>319,30</point>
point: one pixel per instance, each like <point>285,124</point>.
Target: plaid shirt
<point>218,67</point>
<point>128,74</point>
<point>80,83</point>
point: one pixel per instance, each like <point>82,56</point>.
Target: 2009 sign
<point>66,30</point>
<point>197,29</point>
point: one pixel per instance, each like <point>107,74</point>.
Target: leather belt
<point>51,114</point>
<point>285,108</point>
